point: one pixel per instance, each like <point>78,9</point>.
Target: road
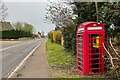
<point>14,52</point>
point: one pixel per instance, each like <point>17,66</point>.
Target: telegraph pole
<point>96,5</point>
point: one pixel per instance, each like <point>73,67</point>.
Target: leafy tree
<point>18,26</point>
<point>24,27</point>
<point>108,13</point>
<point>28,28</point>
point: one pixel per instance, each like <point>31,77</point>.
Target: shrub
<point>56,36</point>
<point>69,34</point>
<point>14,34</point>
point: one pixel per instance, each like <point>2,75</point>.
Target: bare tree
<point>3,11</point>
<point>59,13</point>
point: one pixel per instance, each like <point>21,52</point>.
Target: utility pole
<point>96,5</point>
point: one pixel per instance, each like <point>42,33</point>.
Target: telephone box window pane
<point>80,64</point>
<point>95,40</point>
<point>80,39</point>
<point>81,50</point>
<point>80,59</point>
<point>95,70</point>
<point>95,50</point>
<point>81,55</point>
<point>95,56</point>
<point>95,61</point>
<point>80,68</point>
<point>95,66</point>
<point>80,46</point>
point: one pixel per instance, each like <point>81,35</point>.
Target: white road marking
<point>16,45</point>
<point>10,74</point>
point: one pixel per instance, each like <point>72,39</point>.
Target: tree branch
<point>111,59</point>
<point>113,48</point>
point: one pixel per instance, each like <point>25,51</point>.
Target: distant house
<point>38,34</point>
<point>5,26</point>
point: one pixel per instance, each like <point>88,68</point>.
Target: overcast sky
<point>30,11</point>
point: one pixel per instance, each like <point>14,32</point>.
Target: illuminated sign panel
<point>94,28</point>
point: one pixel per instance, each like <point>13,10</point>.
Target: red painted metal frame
<point>84,56</point>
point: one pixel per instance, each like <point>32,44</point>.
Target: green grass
<point>57,55</point>
<point>60,60</point>
<point>62,63</point>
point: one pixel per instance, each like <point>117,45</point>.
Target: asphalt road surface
<point>13,52</point>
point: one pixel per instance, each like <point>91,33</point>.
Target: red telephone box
<point>89,48</point>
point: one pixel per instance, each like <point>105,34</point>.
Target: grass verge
<point>62,64</point>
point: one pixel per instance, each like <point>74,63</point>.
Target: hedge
<point>14,34</point>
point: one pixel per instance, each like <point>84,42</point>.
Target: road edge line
<point>15,70</point>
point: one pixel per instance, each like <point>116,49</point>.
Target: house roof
<point>5,26</point>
